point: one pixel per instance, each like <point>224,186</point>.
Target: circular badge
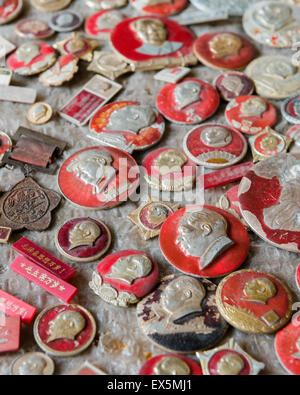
<point>188,102</point>
<point>254,302</point>
<point>170,365</point>
<point>153,43</point>
<point>124,277</point>
<point>269,200</point>
<point>287,347</point>
<point>98,177</point>
<point>77,45</point>
<point>159,8</point>
<point>224,50</point>
<point>5,144</point>
<point>106,4</point>
<point>39,113</point>
<point>65,21</point>
<point>233,84</point>
<point>250,114</point>
<point>181,315</point>
<point>101,24</point>
<point>31,58</point>
<point>169,169</point>
<point>231,7</point>
<point>294,134</point>
<point>33,364</point>
<point>275,77</point>
<point>215,146</point>
<point>50,5</point>
<point>127,125</point>
<point>273,23</point>
<point>204,241</point>
<point>9,10</point>
<point>64,330</point>
<point>34,28</point>
<point>290,109</point>
<point>83,239</point>
<point>62,71</point>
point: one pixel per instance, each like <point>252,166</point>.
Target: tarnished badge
<point>294,134</point>
<point>98,177</point>
<point>171,365</point>
<point>31,58</point>
<point>150,216</point>
<point>250,114</point>
<point>65,21</point>
<point>39,113</point>
<point>275,77</point>
<point>10,328</point>
<point>101,24</point>
<point>273,23</point>
<point>267,144</point>
<point>108,64</point>
<point>232,7</point>
<point>229,360</point>
<point>287,347</point>
<point>27,205</point>
<point>181,315</point>
<point>83,239</point>
<point>188,102</point>
<point>290,109</point>
<point>254,301</point>
<point>169,169</point>
<point>224,50</point>
<point>204,241</point>
<point>233,84</point>
<point>64,330</point>
<point>33,364</point>
<point>5,145</point>
<point>127,125</point>
<point>34,29</point>
<point>153,43</point>
<point>159,7</point>
<point>269,200</point>
<point>50,5</point>
<point>77,45</point>
<point>172,75</point>
<point>9,10</point>
<point>62,71</point>
<point>215,146</point>
<point>124,277</point>
<point>106,4</point>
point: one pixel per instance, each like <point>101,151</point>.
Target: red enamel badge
<point>159,8</point>
<point>287,347</point>
<point>171,364</point>
<point>233,84</point>
<point>101,24</point>
<point>9,10</point>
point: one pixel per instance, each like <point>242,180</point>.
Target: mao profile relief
<point>66,325</point>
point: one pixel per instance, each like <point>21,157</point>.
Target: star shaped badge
<point>78,46</point>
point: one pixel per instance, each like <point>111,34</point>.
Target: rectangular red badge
<point>9,333</point>
<point>54,285</point>
<point>16,307</point>
<point>44,259</point>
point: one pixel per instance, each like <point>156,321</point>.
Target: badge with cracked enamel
<point>229,360</point>
<point>124,277</point>
<point>83,239</point>
<point>170,365</point>
<point>204,241</point>
<point>62,71</point>
<point>77,45</point>
<point>9,10</point>
<point>287,346</point>
<point>101,24</point>
<point>188,102</point>
<point>150,216</point>
<point>159,7</point>
<point>254,301</point>
<point>127,125</point>
<point>181,315</point>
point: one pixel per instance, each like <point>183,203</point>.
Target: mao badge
<point>9,10</point>
<point>33,364</point>
<point>62,71</point>
<point>65,21</point>
<point>101,24</point>
<point>159,7</point>
<point>290,109</point>
<point>34,28</point>
<point>294,134</point>
<point>170,365</point>
<point>287,347</point>
<point>181,315</point>
<point>50,5</point>
<point>78,46</point>
<point>233,84</point>
<point>124,277</point>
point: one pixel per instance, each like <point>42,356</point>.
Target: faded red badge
<point>10,328</point>
<point>124,277</point>
<point>230,202</point>
<point>159,7</point>
<point>83,239</point>
<point>204,241</point>
<point>215,146</point>
<point>169,169</point>
<point>250,114</point>
<point>171,364</point>
<point>5,144</point>
<point>127,125</point>
<point>287,347</point>
<point>233,84</point>
<point>98,177</point>
<point>101,24</point>
<point>153,43</point>
<point>188,102</point>
<point>269,197</point>
<point>9,10</point>
<point>224,50</point>
<point>34,28</point>
<point>64,330</point>
<point>254,301</point>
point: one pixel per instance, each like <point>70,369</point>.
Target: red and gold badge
<point>171,364</point>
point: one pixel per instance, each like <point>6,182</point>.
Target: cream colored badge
<point>62,71</point>
<point>50,5</point>
<point>33,364</point>
<point>77,45</point>
<point>106,4</point>
<point>40,113</point>
<point>275,77</point>
<point>108,64</point>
